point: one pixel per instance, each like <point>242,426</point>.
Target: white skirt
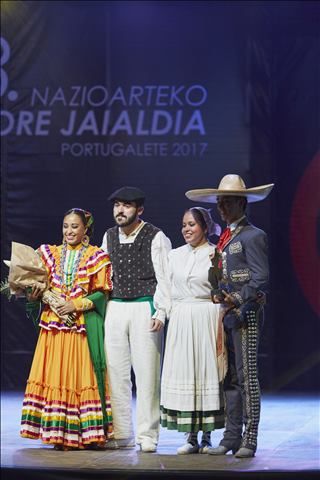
<point>190,374</point>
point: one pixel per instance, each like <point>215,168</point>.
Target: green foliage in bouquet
<point>5,289</point>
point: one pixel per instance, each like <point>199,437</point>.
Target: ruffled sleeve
<point>102,280</point>
<point>96,274</point>
<point>48,255</point>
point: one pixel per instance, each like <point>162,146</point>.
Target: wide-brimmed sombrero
<point>231,185</point>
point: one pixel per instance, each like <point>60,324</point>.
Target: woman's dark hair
<point>198,218</point>
<point>86,218</point>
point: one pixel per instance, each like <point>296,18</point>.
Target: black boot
<point>205,442</point>
<point>193,438</point>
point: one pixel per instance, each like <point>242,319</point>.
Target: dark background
<point>260,65</point>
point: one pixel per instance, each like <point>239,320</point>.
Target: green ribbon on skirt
<point>94,320</point>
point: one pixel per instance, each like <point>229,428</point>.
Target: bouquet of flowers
<point>215,275</point>
<point>27,270</point>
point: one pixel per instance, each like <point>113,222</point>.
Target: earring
<point>85,240</point>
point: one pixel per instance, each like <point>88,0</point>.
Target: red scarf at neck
<point>224,239</point>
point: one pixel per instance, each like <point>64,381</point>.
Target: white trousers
<point>129,342</point>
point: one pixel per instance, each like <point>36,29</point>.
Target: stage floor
<point>288,448</point>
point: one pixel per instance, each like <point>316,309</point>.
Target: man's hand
<point>217,298</point>
<point>227,298</point>
<point>156,325</point>
<point>261,298</point>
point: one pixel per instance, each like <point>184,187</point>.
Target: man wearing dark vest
<point>242,254</point>
<point>136,312</point>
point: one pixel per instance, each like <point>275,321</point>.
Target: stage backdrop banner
<point>166,96</point>
<point>96,95</point>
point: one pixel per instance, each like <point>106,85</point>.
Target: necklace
<point>68,275</point>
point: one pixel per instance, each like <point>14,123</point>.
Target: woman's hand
<point>156,325</point>
<point>67,307</point>
<point>34,294</point>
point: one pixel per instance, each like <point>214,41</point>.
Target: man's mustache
<point>120,215</point>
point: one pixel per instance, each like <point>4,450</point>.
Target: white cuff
<point>159,315</point>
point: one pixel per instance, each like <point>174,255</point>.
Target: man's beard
<point>124,221</point>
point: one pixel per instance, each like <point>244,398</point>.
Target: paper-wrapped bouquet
<point>27,270</point>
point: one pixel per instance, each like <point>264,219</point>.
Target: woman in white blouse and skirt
<point>194,360</point>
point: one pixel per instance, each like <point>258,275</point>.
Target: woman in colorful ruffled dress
<point>66,402</point>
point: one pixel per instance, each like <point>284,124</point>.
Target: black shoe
<point>244,452</point>
<point>220,450</point>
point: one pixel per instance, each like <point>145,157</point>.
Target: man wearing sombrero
<point>242,254</point>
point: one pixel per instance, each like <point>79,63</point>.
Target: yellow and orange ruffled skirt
<point>61,403</point>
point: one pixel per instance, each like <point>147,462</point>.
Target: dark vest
<point>133,272</point>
